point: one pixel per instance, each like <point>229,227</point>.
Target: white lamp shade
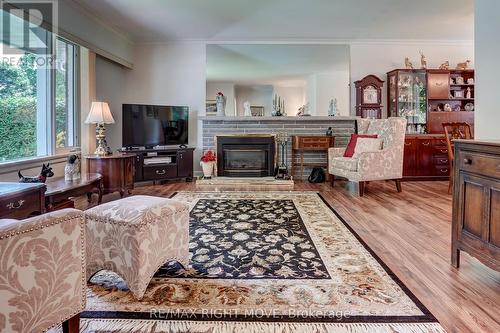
<point>100,114</point>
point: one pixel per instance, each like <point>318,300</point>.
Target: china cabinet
<point>407,97</point>
<point>427,98</point>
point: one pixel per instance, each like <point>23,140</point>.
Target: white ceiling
<point>279,64</point>
<point>240,20</point>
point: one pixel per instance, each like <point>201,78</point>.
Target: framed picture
<point>257,110</point>
<point>210,106</point>
<point>459,94</point>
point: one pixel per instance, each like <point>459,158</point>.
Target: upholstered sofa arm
<point>384,164</point>
<point>336,152</point>
<point>42,271</point>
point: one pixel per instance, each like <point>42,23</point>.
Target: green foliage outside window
<point>18,109</point>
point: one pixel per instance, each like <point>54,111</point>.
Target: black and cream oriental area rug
<point>263,262</point>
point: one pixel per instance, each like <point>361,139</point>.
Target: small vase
<point>208,169</point>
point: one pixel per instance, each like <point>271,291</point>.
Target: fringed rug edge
<point>155,326</point>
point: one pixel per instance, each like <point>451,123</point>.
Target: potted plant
<point>208,163</point>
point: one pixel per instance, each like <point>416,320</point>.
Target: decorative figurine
<point>468,93</point>
<point>447,107</point>
<point>303,110</point>
<point>220,101</point>
<point>45,173</point>
<point>333,110</point>
<point>445,65</point>
<point>408,64</point>
<point>423,62</point>
<point>463,65</point>
<point>246,107</point>
<point>459,80</point>
<point>470,81</point>
<point>72,168</point>
<point>278,106</point>
<point>329,131</point>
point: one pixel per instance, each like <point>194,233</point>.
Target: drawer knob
<point>467,161</point>
<point>17,205</point>
<point>162,172</point>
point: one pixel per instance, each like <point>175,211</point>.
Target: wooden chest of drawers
<point>19,201</point>
<point>425,158</point>
<point>476,202</point>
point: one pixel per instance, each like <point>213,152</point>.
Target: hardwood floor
<point>411,233</point>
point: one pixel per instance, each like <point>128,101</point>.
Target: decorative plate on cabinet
<point>469,107</point>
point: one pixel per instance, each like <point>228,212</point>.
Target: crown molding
<point>313,41</point>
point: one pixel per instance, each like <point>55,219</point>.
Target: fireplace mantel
<point>284,119</point>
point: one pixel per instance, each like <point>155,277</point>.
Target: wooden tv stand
<point>180,165</point>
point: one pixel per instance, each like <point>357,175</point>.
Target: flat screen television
<point>153,125</point>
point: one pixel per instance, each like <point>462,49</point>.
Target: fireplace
<point>245,156</point>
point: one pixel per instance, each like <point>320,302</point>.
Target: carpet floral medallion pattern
<point>244,239</point>
<point>332,282</point>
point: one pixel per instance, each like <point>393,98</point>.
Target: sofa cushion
<point>367,145</point>
<point>349,151</point>
<point>345,163</point>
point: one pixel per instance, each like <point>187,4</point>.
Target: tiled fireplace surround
<point>342,128</point>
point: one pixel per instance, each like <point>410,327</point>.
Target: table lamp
<point>100,114</point>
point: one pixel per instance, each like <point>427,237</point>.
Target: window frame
<point>46,101</point>
<point>75,101</point>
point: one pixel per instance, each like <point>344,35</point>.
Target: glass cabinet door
<point>393,96</point>
<point>412,99</point>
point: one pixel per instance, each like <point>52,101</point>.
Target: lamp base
<point>102,148</point>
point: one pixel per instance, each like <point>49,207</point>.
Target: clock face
<point>370,95</point>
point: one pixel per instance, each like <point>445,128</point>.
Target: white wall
<point>258,95</point>
<point>109,77</point>
<point>163,74</point>
<point>487,48</point>
<point>227,88</point>
<point>82,27</point>
<point>323,87</point>
<point>378,58</point>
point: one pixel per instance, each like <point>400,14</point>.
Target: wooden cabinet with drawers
<point>20,201</point>
<point>301,144</point>
<point>476,202</point>
<point>117,171</point>
<point>425,158</point>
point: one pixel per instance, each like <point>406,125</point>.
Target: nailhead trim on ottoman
<point>135,236</point>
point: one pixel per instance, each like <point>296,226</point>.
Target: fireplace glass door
<point>243,160</point>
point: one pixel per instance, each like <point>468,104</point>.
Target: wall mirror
<point>254,77</point>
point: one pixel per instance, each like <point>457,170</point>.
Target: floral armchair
<point>42,272</point>
<point>369,166</point>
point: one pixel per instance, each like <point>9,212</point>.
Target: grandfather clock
<point>369,97</point>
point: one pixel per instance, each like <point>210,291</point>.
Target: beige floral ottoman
<point>135,236</point>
